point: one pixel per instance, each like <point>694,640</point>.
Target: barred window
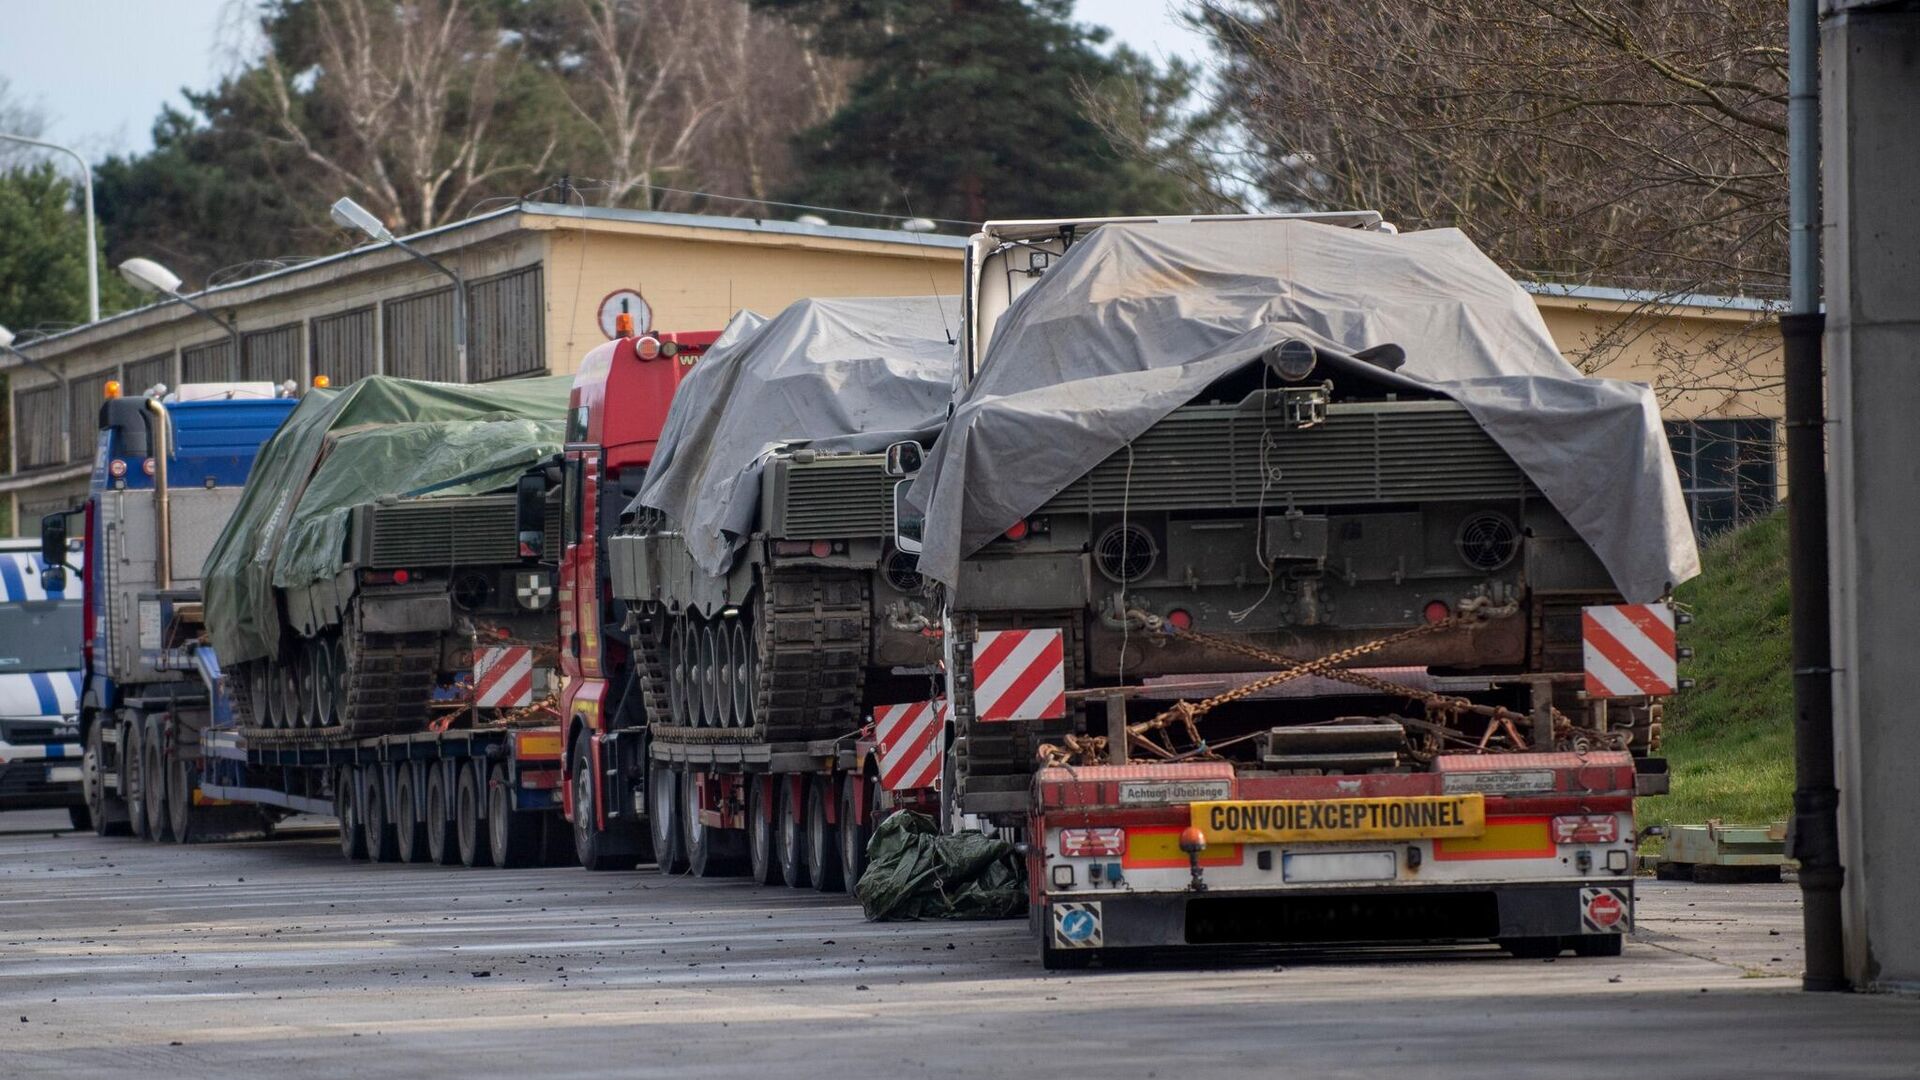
<point>505,328</point>
<point>88,392</point>
<point>343,346</point>
<point>419,337</point>
<point>143,374</point>
<point>272,355</point>
<point>36,426</point>
<point>210,362</point>
<point>1729,470</point>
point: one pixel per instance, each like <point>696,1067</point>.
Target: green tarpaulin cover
<point>340,449</point>
<point>913,872</point>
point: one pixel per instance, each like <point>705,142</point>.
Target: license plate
<point>1275,821</point>
<point>1300,868</point>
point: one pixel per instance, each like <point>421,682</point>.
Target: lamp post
<point>86,188</point>
<point>150,277</point>
<point>351,215</point>
<point>66,391</point>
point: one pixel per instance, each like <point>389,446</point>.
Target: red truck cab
<point>621,396</point>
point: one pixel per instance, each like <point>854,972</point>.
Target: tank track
<point>388,680</point>
<point>812,638</point>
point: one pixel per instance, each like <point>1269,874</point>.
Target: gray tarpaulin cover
<point>379,436</point>
<point>836,375</point>
<point>1135,321</point>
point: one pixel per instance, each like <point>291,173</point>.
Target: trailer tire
<point>710,852</point>
<point>468,793</point>
<point>187,823</point>
<point>79,818</point>
<point>855,830</point>
<point>1067,959</point>
<point>1598,944</point>
<point>383,840</point>
<point>409,832</point>
<point>763,864</point>
<point>107,818</point>
<point>131,787</point>
<point>597,849</point>
<point>443,848</point>
<point>789,835</point>
<point>346,807</point>
<point>1532,948</point>
<point>823,837</point>
<point>153,774</point>
<point>514,835</point>
<point>663,817</point>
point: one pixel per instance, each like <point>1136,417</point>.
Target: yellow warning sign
<point>1273,821</point>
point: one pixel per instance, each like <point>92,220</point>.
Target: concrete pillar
<point>1870,56</point>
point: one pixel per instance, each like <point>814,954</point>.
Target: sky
<point>101,69</point>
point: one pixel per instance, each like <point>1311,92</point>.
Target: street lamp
<point>66,391</point>
<point>86,187</point>
<point>351,215</point>
<point>150,277</point>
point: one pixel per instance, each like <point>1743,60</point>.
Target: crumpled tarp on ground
<point>1136,320</point>
<point>380,436</point>
<point>836,375</point>
<point>913,872</point>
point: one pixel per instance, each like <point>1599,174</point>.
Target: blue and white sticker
<point>1077,926</point>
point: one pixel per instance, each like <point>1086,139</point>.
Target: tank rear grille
<point>443,532</point>
<point>1211,456</point>
<point>837,497</point>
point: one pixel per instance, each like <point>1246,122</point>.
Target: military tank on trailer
<point>768,602</point>
<point>378,548</point>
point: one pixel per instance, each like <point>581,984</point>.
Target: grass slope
<point>1729,740</point>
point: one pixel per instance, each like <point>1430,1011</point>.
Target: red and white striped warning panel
<point>1019,675</point>
<point>1629,650</point>
<point>503,678</point>
<point>911,740</point>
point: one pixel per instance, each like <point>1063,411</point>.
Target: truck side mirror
<point>904,459</point>
<point>530,514</point>
<point>53,539</point>
<point>908,525</point>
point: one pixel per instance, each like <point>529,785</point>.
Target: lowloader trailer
<point>1334,613</point>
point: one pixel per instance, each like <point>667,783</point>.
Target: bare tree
<point>18,118</point>
<point>398,106</point>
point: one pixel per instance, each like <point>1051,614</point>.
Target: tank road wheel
<point>762,864</point>
<point>131,766</point>
<point>443,848</point>
<point>346,807</point>
<point>514,835</point>
<point>745,670</point>
<point>710,675</point>
<point>596,848</point>
<point>409,832</point>
<point>855,830</point>
<point>383,841</point>
<point>663,817</point>
<point>823,837</point>
<point>677,677</point>
<point>468,794</point>
<point>337,660</point>
<point>286,694</point>
<point>323,682</point>
<point>789,835</point>
<point>108,812</point>
<point>724,672</point>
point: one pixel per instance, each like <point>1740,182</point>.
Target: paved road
<point>277,959</point>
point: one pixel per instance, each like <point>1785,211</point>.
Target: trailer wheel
<point>789,835</point>
<point>468,828</point>
<point>1532,948</point>
<point>1067,959</point>
<point>108,814</point>
<point>186,823</point>
<point>762,864</point>
<point>346,800</point>
<point>855,830</point>
<point>1598,944</point>
<point>383,840</point>
<point>596,848</point>
<point>153,776</point>
<point>513,834</point>
<point>663,817</point>
<point>710,852</point>
<point>823,837</point>
<point>131,765</point>
<point>409,832</point>
<point>79,818</point>
<point>443,849</point>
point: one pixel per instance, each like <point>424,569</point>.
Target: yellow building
<point>544,281</point>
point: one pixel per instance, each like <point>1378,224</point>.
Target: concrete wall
<point>1871,92</point>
